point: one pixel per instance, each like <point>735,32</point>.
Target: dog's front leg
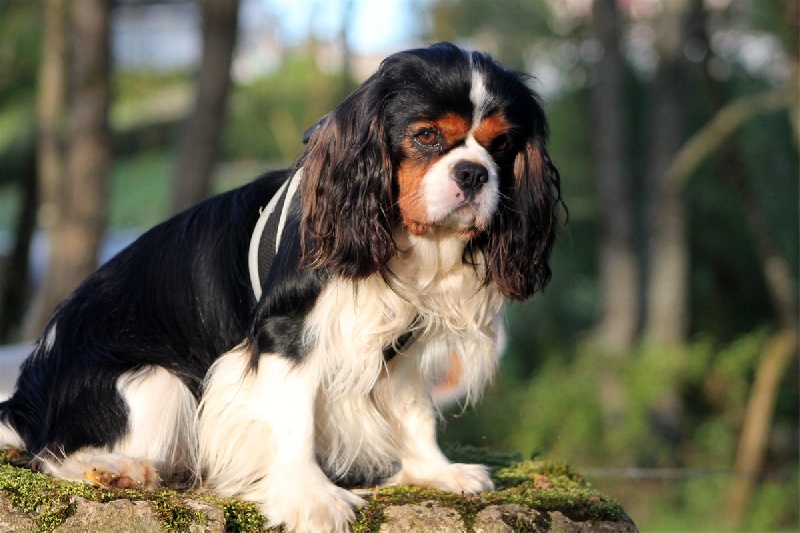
<point>257,443</point>
<point>422,462</point>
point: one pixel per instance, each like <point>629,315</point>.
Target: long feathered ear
<point>347,190</point>
<point>525,226</point>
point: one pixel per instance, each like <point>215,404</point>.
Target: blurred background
<point>661,361</point>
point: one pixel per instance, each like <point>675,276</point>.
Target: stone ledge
<point>511,518</point>
<point>532,496</point>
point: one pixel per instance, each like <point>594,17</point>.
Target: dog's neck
<point>430,262</point>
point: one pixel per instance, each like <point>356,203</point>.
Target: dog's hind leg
<point>159,442</point>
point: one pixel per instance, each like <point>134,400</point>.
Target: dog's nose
<point>470,176</point>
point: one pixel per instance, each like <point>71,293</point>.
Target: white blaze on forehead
<point>478,96</point>
<point>442,194</point>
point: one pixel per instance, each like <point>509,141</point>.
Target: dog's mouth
<point>463,215</point>
<point>467,219</point>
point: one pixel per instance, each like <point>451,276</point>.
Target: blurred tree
<point>20,31</point>
<point>777,356</point>
<point>506,28</point>
<point>73,173</point>
<point>20,34</point>
<point>199,145</point>
<point>666,301</point>
<point>618,268</point>
<point>15,276</point>
<point>345,32</point>
<point>617,258</point>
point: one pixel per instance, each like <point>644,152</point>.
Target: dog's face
<point>438,139</point>
<point>448,171</point>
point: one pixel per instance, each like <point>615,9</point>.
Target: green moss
<point>554,486</point>
<point>370,517</point>
<point>47,500</point>
<point>538,485</point>
<point>37,493</point>
<point>542,486</point>
<point>240,517</point>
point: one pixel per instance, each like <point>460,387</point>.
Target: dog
<point>270,365</point>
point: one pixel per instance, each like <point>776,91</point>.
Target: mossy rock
<point>531,496</point>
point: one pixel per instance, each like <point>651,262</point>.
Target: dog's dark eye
<point>428,137</point>
<point>500,143</point>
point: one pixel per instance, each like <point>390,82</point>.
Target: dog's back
<point>166,301</point>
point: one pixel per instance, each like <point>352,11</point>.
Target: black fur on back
<point>178,297</point>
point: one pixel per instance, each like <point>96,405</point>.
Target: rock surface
<point>125,516</point>
<point>531,497</point>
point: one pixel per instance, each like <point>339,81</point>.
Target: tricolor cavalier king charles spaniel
<point>421,204</point>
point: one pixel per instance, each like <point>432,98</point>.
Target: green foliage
<point>516,21</point>
<point>559,412</point>
<point>20,44</point>
<point>774,506</point>
<point>464,453</point>
<point>268,117</point>
<point>139,190</point>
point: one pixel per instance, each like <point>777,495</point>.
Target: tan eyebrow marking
<point>490,128</point>
<point>453,128</point>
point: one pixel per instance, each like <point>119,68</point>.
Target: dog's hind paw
<point>119,472</point>
<point>105,470</point>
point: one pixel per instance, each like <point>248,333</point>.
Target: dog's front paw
<point>312,509</point>
<point>454,477</point>
<point>466,478</point>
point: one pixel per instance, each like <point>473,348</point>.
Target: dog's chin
<point>465,221</point>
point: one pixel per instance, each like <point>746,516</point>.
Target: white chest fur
<point>455,322</point>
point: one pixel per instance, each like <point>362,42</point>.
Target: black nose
<point>470,176</point>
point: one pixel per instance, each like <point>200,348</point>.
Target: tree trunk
<point>50,104</point>
<point>618,270</point>
<point>16,273</point>
<point>73,209</point>
<point>200,141</point>
<point>667,248</point>
<point>667,314</point>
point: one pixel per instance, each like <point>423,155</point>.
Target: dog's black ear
<point>310,131</point>
<point>524,229</point>
<point>347,189</point>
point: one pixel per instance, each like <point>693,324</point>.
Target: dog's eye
<point>500,143</point>
<point>428,137</point>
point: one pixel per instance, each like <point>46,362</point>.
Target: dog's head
<point>437,139</point>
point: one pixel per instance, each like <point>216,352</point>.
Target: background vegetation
<point>662,359</point>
